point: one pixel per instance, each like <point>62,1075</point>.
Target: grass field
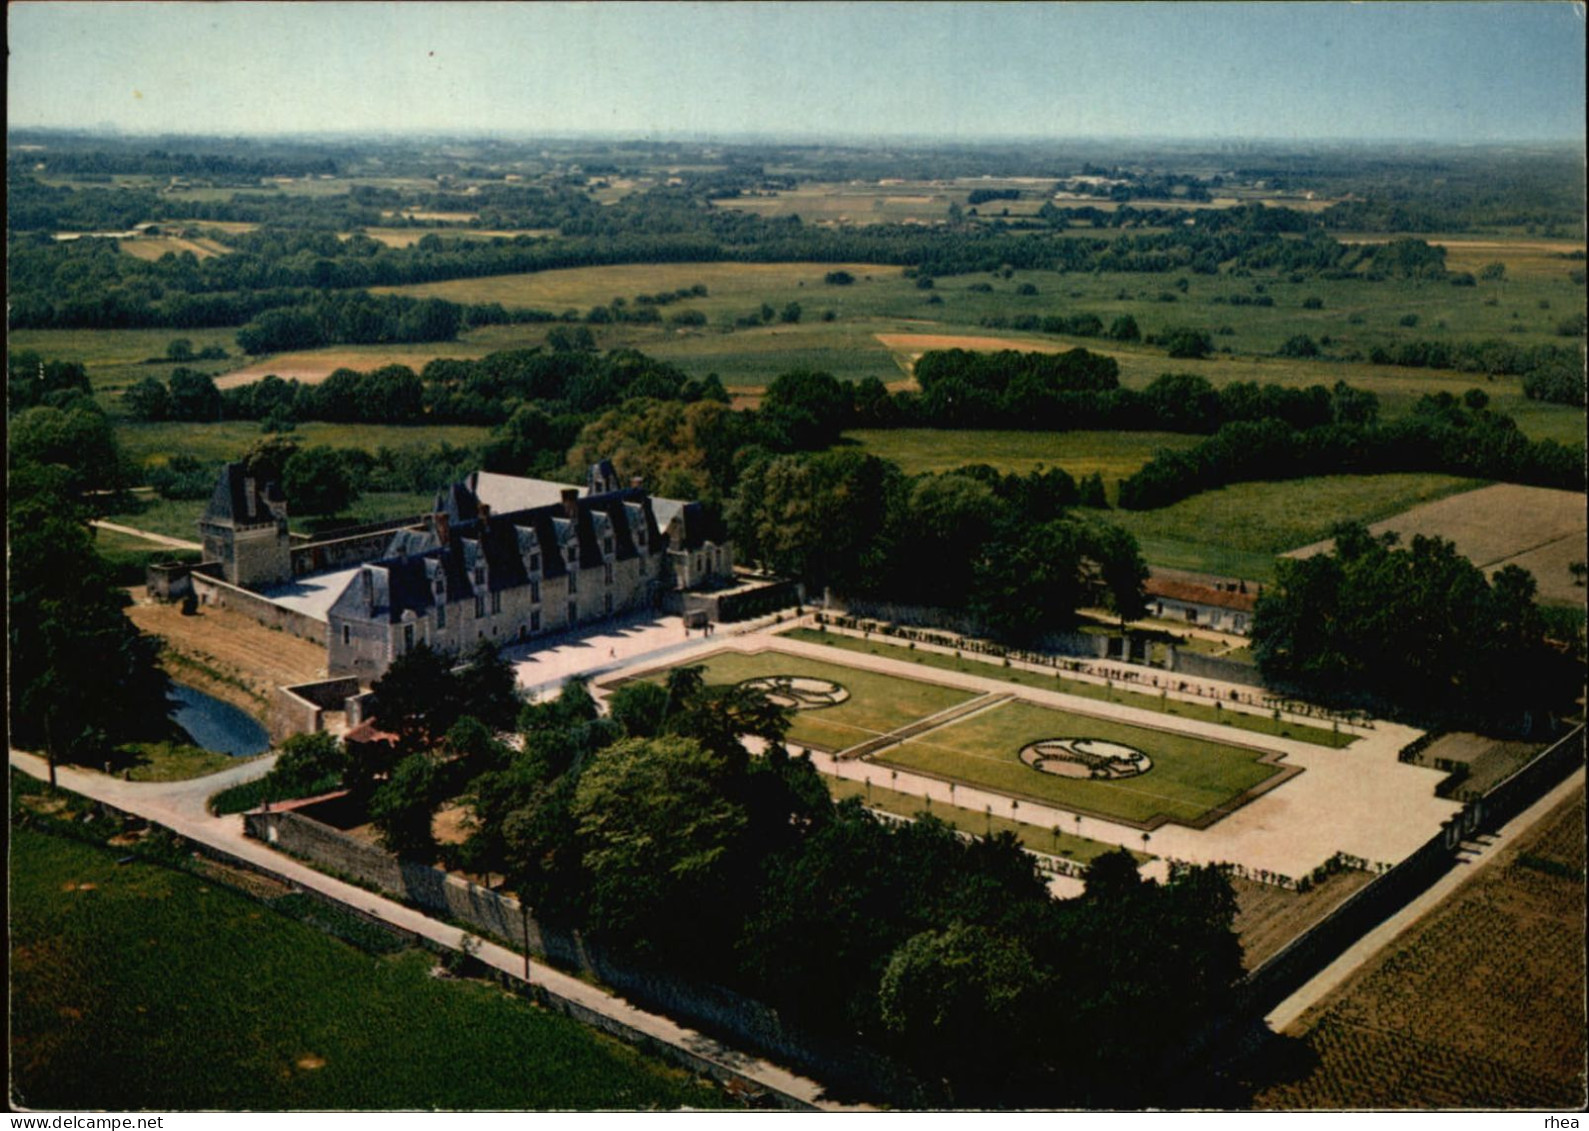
<point>1115,455</point>
<point>154,443</point>
<point>736,287</point>
<point>1052,842</point>
<point>1191,782</point>
<point>138,987</point>
<point>1202,712</point>
<point>1480,1004</point>
<point>178,518</point>
<point>113,357</point>
<point>1238,530</point>
<point>153,247</point>
<point>877,704</point>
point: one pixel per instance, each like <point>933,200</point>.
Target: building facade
<point>1226,608</point>
<point>475,573</point>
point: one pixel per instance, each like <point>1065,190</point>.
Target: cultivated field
<point>229,655</point>
<point>1192,781</point>
<point>128,993</point>
<point>153,247</point>
<point>1536,528</point>
<point>1479,1005</point>
<point>1268,917</point>
<point>313,366</point>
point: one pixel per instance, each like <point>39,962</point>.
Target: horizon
<point>977,73</point>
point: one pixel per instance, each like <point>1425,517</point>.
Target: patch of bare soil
<point>229,655</point>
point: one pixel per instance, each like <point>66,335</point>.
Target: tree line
<point>1443,434</point>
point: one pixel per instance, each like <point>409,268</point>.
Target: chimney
<point>369,592</point>
<point>485,518</point>
<point>571,502</point>
<point>637,481</point>
<point>248,495</point>
<point>442,525</point>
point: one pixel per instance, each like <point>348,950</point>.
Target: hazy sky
<point>1446,71</point>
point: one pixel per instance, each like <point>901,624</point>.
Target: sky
<point>1437,71</point>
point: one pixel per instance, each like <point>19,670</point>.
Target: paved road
<point>148,536</point>
<point>1387,932</point>
<point>180,806</point>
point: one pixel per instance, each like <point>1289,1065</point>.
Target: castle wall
<point>223,594</point>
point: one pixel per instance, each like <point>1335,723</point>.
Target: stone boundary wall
<point>343,552</point>
<point>1316,948</point>
<point>745,603</point>
<point>223,594</point>
<point>715,1010</point>
<point>301,709</point>
<point>1093,646</point>
<point>1199,666</point>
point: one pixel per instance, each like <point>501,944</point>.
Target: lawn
<point>1114,455</point>
<point>171,761</point>
<point>1203,712</point>
<point>1050,842</point>
<point>138,987</point>
<point>877,704</point>
<point>1192,781</point>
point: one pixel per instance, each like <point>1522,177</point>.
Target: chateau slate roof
<point>404,580</point>
<point>229,502</point>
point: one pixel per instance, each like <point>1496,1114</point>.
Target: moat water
<point>216,725</point>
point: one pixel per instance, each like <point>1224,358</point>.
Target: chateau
<point>498,558</point>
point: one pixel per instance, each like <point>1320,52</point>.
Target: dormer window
<point>535,563</point>
<point>606,546</point>
<point>479,575</point>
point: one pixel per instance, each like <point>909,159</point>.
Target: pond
<point>216,725</point>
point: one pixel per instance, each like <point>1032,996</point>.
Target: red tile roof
<point>1200,594</point>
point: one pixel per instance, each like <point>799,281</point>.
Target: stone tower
<point>245,529</point>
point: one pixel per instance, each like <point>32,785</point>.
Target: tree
<point>81,677</point>
<point>179,349</point>
<point>308,764</point>
<point>147,400</point>
<point>640,707</point>
<point>1417,629</point>
<point>488,688</point>
<point>1091,492</point>
<point>78,440</point>
<point>805,410</point>
<point>404,807</point>
<point>963,1004</point>
<point>657,830</point>
<point>417,698</point>
<point>193,396</point>
<point>317,480</point>
<point>1124,329</point>
<point>1186,342</point>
